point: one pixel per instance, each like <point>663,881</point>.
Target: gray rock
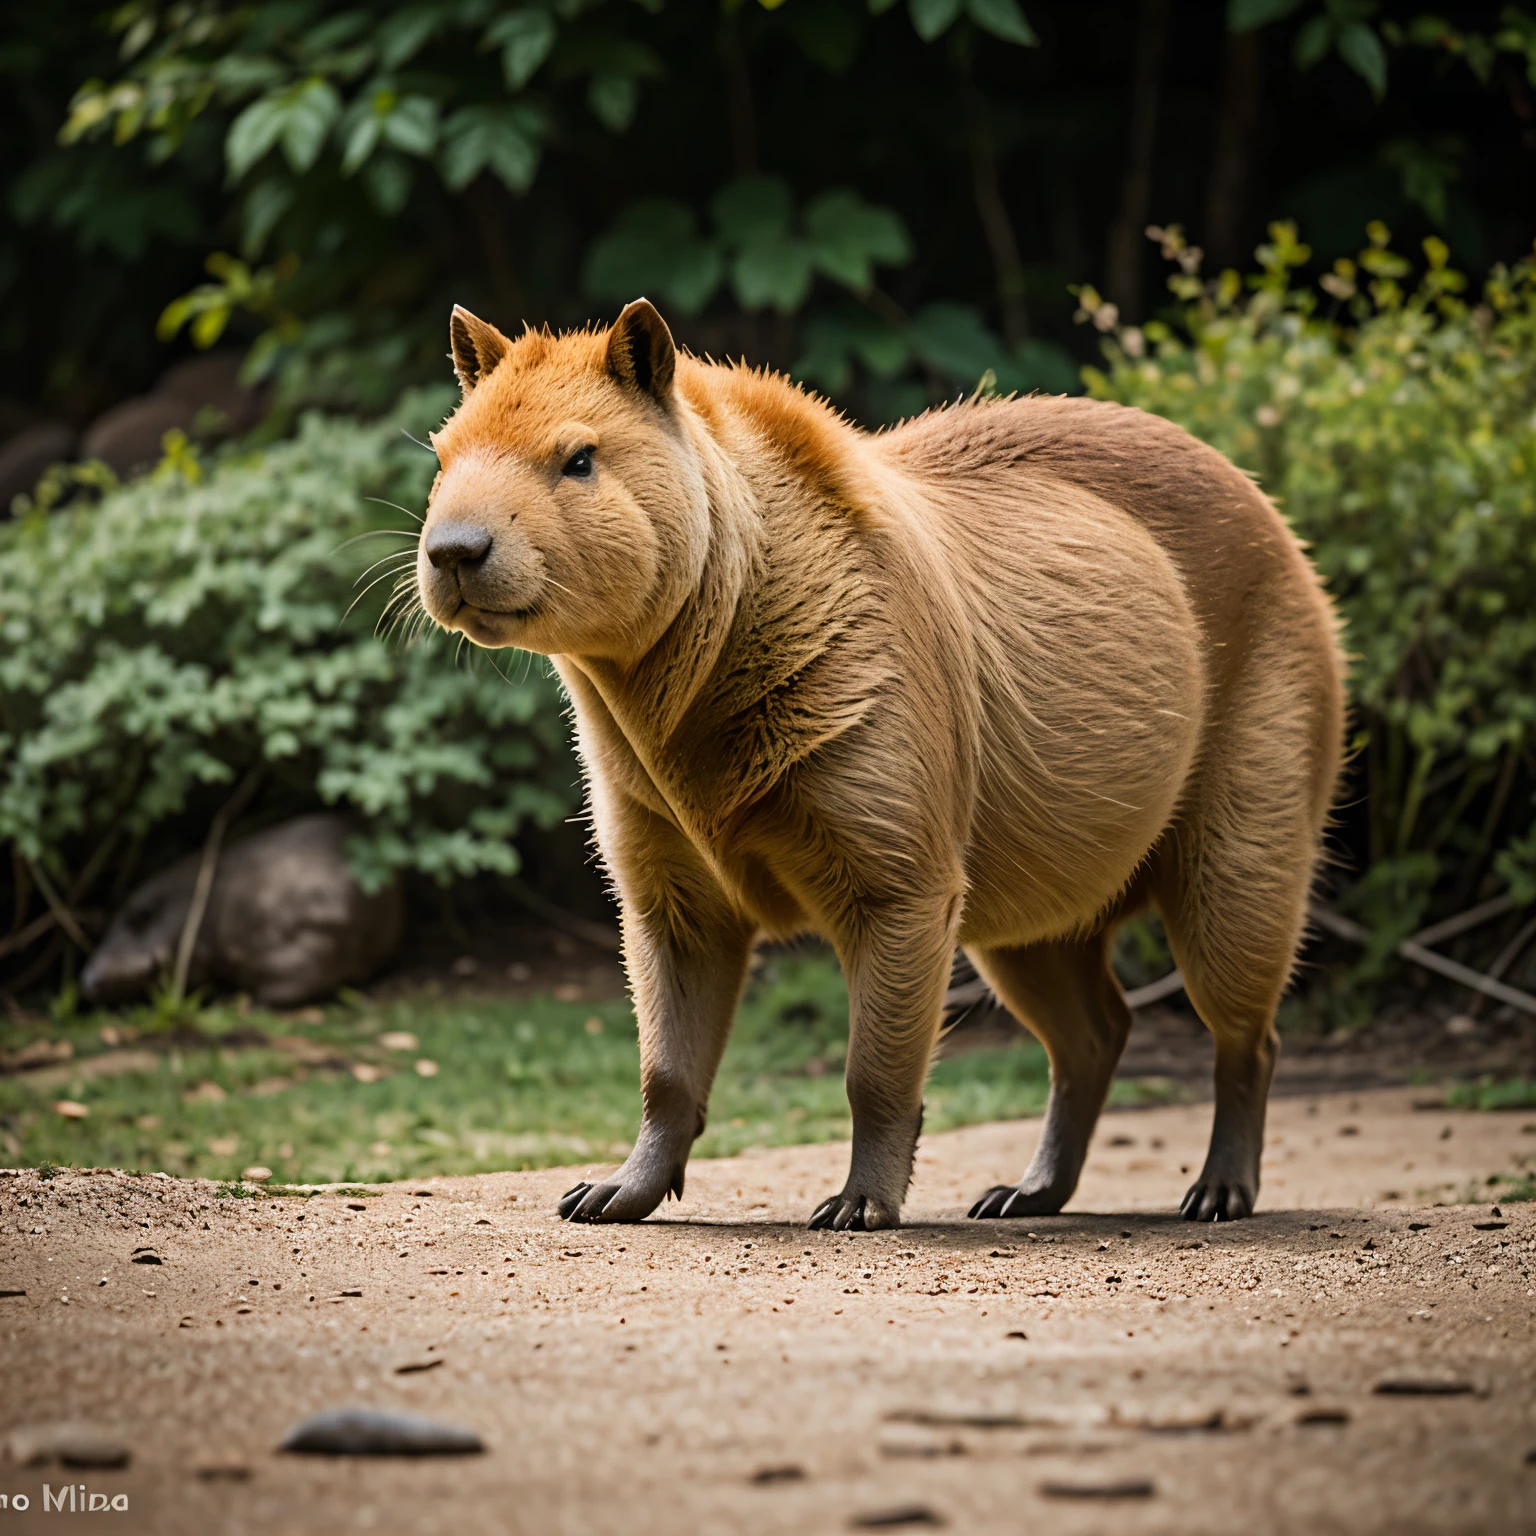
<point>130,436</point>
<point>24,457</point>
<point>286,921</point>
<point>69,1444</point>
<point>211,383</point>
<point>371,1432</point>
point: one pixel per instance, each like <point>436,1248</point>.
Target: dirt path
<point>637,1379</point>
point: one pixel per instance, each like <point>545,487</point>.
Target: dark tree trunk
<point>1226,197</point>
<point>1123,257</point>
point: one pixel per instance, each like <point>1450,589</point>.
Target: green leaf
<point>953,340</point>
<point>412,126</point>
<point>1004,19</point>
<point>525,38</point>
<point>264,205</point>
<point>613,99</point>
<point>1361,49</point>
<point>753,208</point>
<point>388,180</point>
<point>361,140</point>
<point>402,36</point>
<point>1249,15</point>
<point>654,248</point>
<point>252,134</point>
<point>1313,42</point>
<point>849,235</point>
<point>309,110</point>
<point>932,18</point>
<point>774,269</point>
<point>502,138</point>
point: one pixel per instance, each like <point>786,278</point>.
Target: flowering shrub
<point>1395,424</point>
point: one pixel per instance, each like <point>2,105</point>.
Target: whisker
<point>405,558</point>
<point>418,441</point>
<point>361,595</point>
<point>404,533</point>
<point>380,501</point>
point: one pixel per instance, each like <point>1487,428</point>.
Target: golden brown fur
<point>994,677</point>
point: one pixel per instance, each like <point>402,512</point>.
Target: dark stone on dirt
<point>371,1432</point>
<point>1323,1416</point>
<point>1127,1488</point>
<point>286,921</point>
<point>11,1291</point>
<point>24,457</point>
<point>145,1256</point>
<point>411,1367</point>
<point>900,1515</point>
<point>789,1474</point>
<point>1489,1226</point>
<point>1423,1386</point>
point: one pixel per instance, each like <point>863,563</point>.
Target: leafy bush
<point>187,629</point>
<point>1396,427</point>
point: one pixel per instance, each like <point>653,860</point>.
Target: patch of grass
<point>1487,1093</point>
<point>518,1083</point>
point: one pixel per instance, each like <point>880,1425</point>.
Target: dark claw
<point>993,1202</point>
<point>823,1214</point>
<point>1216,1202</point>
<point>571,1199</point>
<point>850,1218</point>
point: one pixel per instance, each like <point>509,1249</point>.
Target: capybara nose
<point>450,545</point>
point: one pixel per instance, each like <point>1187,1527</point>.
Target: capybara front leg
<point>897,967</point>
<point>686,983</point>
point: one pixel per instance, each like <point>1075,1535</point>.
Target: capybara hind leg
<point>686,967</point>
<point>1067,996</point>
<point>896,961</point>
<point>1234,940</point>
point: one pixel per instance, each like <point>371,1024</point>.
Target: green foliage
<point>160,644</point>
<point>1395,424</point>
<point>771,257</point>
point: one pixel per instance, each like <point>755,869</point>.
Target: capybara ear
<point>477,347</point>
<point>641,352</point>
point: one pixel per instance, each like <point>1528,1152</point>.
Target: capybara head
<point>570,513</point>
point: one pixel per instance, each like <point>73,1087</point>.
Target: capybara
<point>998,676</point>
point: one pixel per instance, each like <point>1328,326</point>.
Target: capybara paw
<point>1214,1199</point>
<point>1017,1200</point>
<point>848,1212</point>
<point>620,1200</point>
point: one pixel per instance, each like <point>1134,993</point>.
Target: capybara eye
<point>579,464</point>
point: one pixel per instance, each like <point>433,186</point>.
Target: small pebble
<point>229,1469</point>
<point>1128,1488</point>
<point>145,1256</point>
<point>786,1474</point>
<point>370,1432</point>
<point>412,1366</point>
<point>891,1519</point>
<point>1323,1416</point>
<point>1423,1386</point>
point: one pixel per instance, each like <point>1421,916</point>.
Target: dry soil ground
<point>722,1369</point>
